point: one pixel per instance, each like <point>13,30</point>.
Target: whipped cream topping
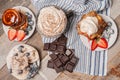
<point>51,21</point>
<point>89,25</point>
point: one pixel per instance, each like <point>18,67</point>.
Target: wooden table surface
<point>35,41</point>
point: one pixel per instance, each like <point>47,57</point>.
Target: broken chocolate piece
<point>50,64</point>
<point>64,59</point>
<point>57,46</point>
<point>46,46</point>
<point>61,59</point>
<point>69,67</point>
<point>61,49</point>
<point>74,60</point>
<point>53,56</point>
<point>60,69</point>
<point>52,47</point>
<point>60,55</point>
<point>57,62</point>
<point>62,62</point>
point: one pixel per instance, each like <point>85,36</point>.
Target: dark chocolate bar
<point>63,62</point>
<point>61,59</point>
<point>59,45</point>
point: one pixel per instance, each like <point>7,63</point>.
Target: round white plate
<point>12,53</point>
<point>23,9</point>
<point>111,40</point>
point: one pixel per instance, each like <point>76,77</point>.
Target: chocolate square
<point>61,49</point>
<point>74,60</point>
<point>52,47</point>
<point>69,67</point>
<point>64,59</point>
<point>57,62</point>
<point>62,40</point>
<point>72,53</point>
<point>60,55</point>
<point>46,46</point>
<point>53,56</point>
<point>60,69</point>
<point>50,64</point>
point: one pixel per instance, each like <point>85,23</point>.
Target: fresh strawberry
<point>12,33</point>
<point>94,45</point>
<point>102,42</point>
<point>20,35</point>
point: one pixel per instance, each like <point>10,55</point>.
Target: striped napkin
<point>90,62</point>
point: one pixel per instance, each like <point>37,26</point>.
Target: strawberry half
<point>102,42</point>
<point>20,35</point>
<point>94,45</point>
<point>12,34</point>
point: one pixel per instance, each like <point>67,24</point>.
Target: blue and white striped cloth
<point>93,63</point>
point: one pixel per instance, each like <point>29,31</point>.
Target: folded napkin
<point>90,62</point>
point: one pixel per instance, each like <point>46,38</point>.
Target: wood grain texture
<point>35,41</point>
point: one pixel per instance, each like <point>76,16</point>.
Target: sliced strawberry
<point>94,45</point>
<point>102,43</point>
<point>20,35</point>
<point>12,33</point>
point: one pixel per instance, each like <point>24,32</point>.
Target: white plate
<point>12,53</point>
<point>112,38</point>
<point>23,9</point>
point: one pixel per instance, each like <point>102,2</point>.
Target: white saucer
<point>111,40</point>
<point>12,53</point>
<point>23,9</point>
